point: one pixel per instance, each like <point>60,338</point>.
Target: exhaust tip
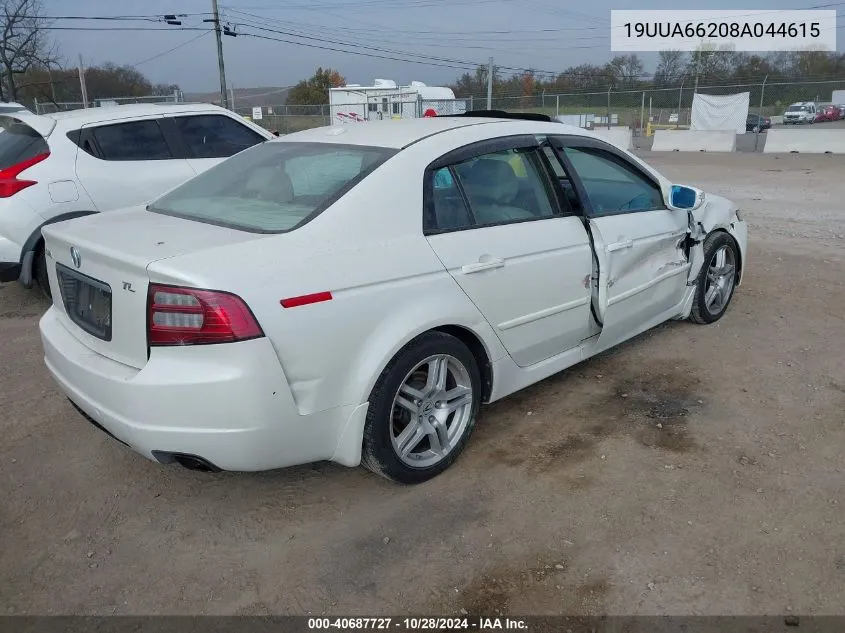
<point>191,462</point>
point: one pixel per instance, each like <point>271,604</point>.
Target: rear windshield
<point>18,142</point>
<point>272,187</point>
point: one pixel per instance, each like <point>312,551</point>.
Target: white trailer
<point>385,99</point>
<point>838,97</point>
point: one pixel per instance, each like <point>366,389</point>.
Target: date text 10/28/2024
<point>417,624</point>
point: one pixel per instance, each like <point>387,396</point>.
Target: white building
<point>386,100</point>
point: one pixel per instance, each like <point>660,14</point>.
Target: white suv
<point>61,166</point>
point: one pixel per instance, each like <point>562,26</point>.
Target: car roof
<point>107,113</point>
<point>44,124</point>
<point>401,133</point>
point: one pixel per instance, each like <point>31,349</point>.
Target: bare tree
<point>24,45</point>
<point>624,70</point>
<point>670,68</point>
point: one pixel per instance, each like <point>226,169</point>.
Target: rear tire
<point>422,409</point>
<point>716,280</point>
<point>39,272</point>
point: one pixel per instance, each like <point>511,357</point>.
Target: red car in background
<point>828,113</point>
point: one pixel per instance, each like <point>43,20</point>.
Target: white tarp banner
<point>720,112</point>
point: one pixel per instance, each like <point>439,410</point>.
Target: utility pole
<point>490,85</point>
<point>642,115</point>
<point>52,85</point>
<point>760,114</point>
<point>82,86</point>
<point>218,34</point>
<point>680,99</point>
<point>697,66</point>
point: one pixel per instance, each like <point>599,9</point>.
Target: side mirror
<point>685,198</point>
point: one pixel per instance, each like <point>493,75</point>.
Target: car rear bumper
<point>226,404</point>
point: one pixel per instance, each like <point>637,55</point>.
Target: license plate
<point>87,301</point>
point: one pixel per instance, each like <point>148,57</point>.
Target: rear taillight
<point>186,316</point>
<point>9,183</point>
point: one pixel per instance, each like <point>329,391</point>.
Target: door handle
<point>477,267</point>
<point>618,246</point>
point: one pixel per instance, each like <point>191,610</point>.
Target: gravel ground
<point>694,470</point>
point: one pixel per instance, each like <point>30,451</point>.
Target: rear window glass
<point>215,135</point>
<point>136,140</point>
<point>272,187</point>
<point>18,142</point>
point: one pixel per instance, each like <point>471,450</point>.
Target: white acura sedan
<point>355,293</point>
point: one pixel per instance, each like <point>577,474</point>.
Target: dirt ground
<point>694,470</point>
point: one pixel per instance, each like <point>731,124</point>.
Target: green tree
<point>475,83</point>
<point>315,90</point>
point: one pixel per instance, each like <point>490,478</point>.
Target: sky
<point>453,35</point>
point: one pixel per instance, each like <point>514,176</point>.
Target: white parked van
<point>801,112</point>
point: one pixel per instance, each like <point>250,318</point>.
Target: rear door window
<point>215,135</point>
<point>134,140</point>
<point>19,142</point>
<point>505,186</point>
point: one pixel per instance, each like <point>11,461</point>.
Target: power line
<point>378,4</point>
<point>310,36</point>
<point>471,64</point>
<point>120,28</point>
<point>170,50</point>
<point>363,46</point>
<point>353,52</point>
<point>421,36</point>
<point>605,27</point>
<point>146,18</point>
<point>444,61</point>
<point>464,64</point>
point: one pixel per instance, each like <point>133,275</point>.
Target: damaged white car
<point>355,293</point>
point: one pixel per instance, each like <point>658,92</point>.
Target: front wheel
<point>422,409</point>
<point>717,279</point>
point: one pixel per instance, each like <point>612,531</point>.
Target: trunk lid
<point>99,266</point>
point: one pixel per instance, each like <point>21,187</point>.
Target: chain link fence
<point>289,118</point>
<point>660,106</point>
<point>47,107</point>
<point>635,107</point>
<point>286,119</point>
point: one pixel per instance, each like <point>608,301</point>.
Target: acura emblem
<point>75,257</point>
